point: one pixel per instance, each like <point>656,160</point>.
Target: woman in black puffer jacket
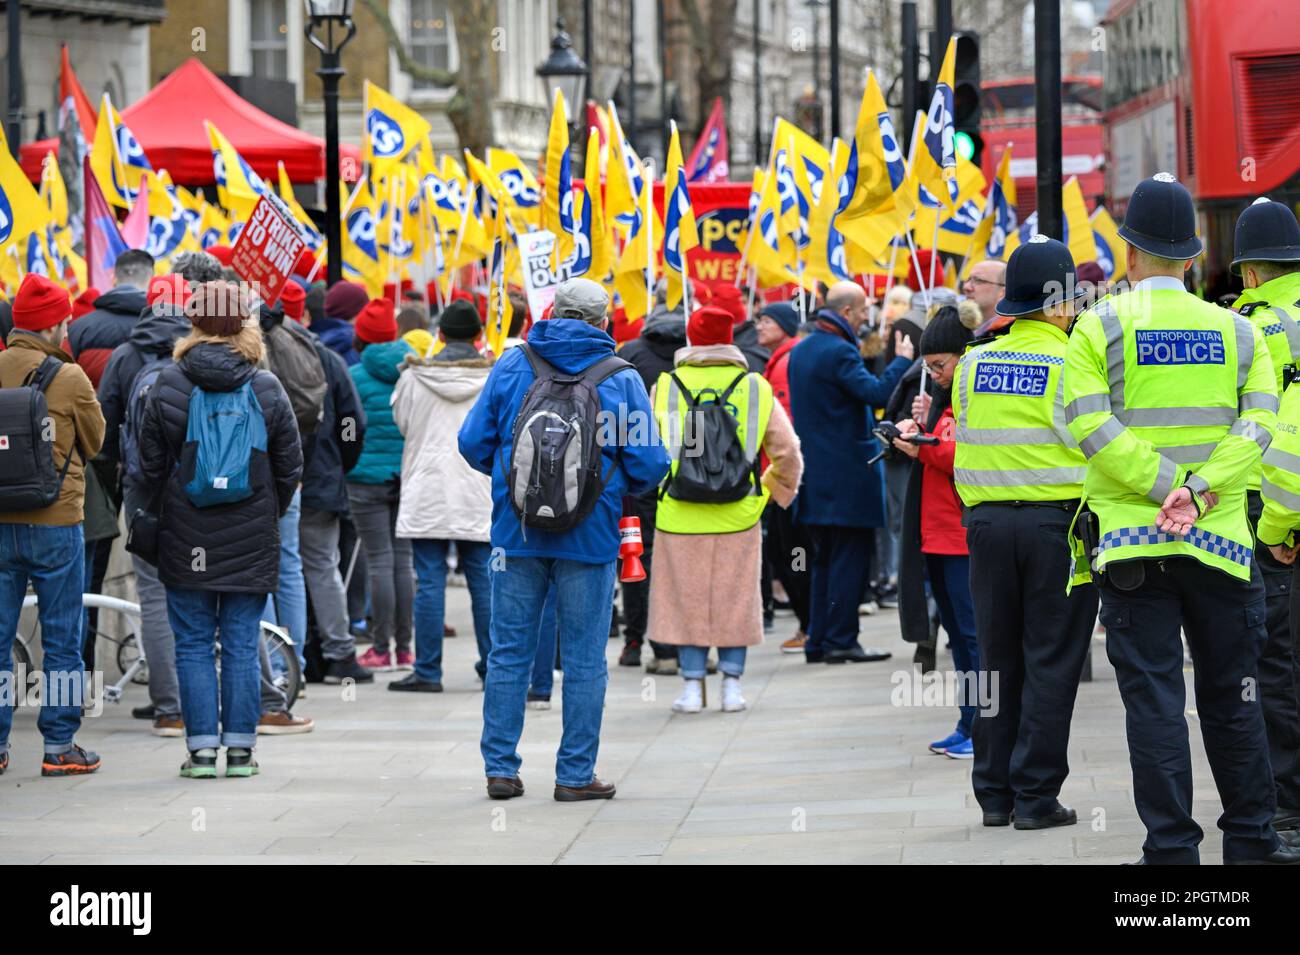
<point>218,562</point>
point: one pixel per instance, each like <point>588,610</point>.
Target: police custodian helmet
<point>1161,219</point>
<point>1040,273</point>
<point>1266,232</point>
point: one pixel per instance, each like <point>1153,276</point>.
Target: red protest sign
<point>268,247</point>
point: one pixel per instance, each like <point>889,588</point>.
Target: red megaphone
<point>630,549</point>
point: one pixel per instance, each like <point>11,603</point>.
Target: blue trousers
<point>950,582</point>
<point>584,596</point>
<point>430,557</point>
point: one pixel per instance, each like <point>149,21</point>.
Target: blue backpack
<point>226,427</point>
<point>137,403</point>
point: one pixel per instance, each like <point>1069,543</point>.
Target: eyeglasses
<point>975,280</point>
<point>937,368</point>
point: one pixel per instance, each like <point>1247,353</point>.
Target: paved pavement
<point>825,766</point>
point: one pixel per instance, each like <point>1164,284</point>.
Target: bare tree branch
<point>417,71</point>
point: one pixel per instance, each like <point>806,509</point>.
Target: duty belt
<point>1056,505</point>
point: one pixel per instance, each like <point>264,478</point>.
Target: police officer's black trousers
<point>1279,670</point>
<point>1032,640</point>
<point>1223,619</point>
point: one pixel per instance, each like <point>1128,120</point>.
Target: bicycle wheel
<point>20,656</point>
<point>286,671</point>
<point>128,652</point>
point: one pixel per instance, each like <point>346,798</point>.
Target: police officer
<point>1172,400</point>
<point>1267,257</point>
<point>1020,473</point>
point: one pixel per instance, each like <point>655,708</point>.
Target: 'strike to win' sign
<point>268,247</point>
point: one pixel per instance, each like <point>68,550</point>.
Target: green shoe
<point>202,764</point>
<point>240,762</point>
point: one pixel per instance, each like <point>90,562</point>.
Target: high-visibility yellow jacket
<point>1164,390</point>
<point>1012,440</point>
<point>1281,485</point>
<point>750,403</point>
<point>1274,308</point>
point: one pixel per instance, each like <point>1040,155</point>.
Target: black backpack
<point>28,478</point>
<point>555,474</point>
<point>713,467</point>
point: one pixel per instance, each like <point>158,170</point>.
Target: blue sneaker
<point>963,750</point>
<point>939,747</point>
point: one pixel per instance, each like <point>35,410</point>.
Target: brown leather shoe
<point>283,723</point>
<point>504,787</point>
<point>596,789</point>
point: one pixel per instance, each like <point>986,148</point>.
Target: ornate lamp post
<point>329,27</point>
<point>565,69</point>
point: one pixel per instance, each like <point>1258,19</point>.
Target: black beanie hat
<point>459,321</point>
<point>945,334</point>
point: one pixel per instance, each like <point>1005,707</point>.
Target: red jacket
<point>941,530</point>
<point>777,373</point>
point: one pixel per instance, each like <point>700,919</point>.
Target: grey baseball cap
<point>581,299</point>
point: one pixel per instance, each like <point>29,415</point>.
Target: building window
<point>269,38</point>
<point>429,32</point>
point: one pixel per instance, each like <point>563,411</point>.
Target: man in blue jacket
<point>579,561</point>
<point>842,499</point>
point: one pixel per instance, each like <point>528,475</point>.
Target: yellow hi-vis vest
<point>1012,440</point>
<point>1274,308</point>
<point>1281,484</point>
<point>751,405</point>
<point>1163,390</point>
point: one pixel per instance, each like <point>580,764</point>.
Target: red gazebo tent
<point>168,122</point>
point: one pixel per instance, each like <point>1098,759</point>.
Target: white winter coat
<point>441,495</point>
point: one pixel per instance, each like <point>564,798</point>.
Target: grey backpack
<point>555,475</point>
<point>291,355</point>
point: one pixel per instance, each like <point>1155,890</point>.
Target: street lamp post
<point>565,69</point>
<point>329,27</point>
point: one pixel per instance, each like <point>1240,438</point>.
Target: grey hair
<point>197,267</point>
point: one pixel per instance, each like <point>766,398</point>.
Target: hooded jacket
<point>93,337</point>
<point>442,496</point>
<point>330,453</point>
<point>777,372</point>
<point>338,336</point>
<point>652,353</point>
<point>231,547</point>
<point>486,440</point>
<point>375,376</point>
<point>72,406</point>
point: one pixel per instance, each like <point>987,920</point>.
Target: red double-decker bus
<point>1210,91</point>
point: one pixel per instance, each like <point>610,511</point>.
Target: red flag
<point>72,96</point>
<point>708,162</point>
<point>104,243</point>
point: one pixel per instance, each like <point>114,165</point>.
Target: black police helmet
<point>1039,273</point>
<point>1266,232</point>
<point>1161,219</point>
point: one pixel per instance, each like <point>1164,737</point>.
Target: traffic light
<point>966,97</point>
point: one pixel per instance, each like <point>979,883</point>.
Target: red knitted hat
<point>728,298</point>
<point>169,289</point>
<point>376,322</point>
<point>709,326</point>
<point>84,303</point>
<point>40,304</point>
<point>222,253</point>
<point>293,299</point>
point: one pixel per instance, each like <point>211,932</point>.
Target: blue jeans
<point>694,661</point>
<point>54,559</point>
<point>544,662</point>
<point>195,617</point>
<point>950,582</point>
<point>430,558</point>
<point>584,598</point>
<point>288,605</point>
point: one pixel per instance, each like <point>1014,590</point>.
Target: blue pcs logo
<point>386,137</point>
<point>1011,378</point>
<point>1179,347</point>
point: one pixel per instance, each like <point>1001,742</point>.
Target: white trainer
<point>692,698</point>
<point>732,701</point>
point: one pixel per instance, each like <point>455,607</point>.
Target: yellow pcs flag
<point>557,204</point>
<point>53,191</point>
<point>936,157</point>
<point>116,158</point>
<point>875,170</point>
<point>392,129</point>
<point>680,232</point>
<point>518,181</point>
<point>238,186</point>
<point>1111,254</point>
<point>634,277</point>
<point>1078,231</point>
<point>624,179</point>
<point>593,216</point>
<point>500,312</point>
<point>22,212</point>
